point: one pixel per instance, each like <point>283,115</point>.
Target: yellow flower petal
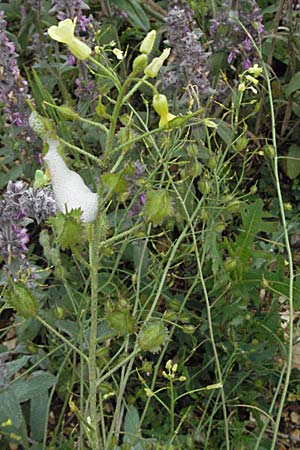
<point>165,119</point>
<point>64,32</point>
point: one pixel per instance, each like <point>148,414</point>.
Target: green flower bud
<point>154,67</point>
<point>148,42</point>
<point>139,63</point>
<point>160,104</point>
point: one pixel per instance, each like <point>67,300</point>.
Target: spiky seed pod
<point>152,336</point>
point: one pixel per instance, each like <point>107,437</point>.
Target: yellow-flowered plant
<point>160,104</point>
<point>64,33</point>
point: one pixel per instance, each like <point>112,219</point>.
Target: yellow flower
<point>160,104</point>
<point>64,33</point>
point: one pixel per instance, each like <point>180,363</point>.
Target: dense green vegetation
<point>149,225</point>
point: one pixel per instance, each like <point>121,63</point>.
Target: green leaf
<point>294,85</point>
<point>69,228</point>
<point>26,389</point>
<point>131,429</point>
<point>39,415</point>
<point>293,161</point>
<point>135,12</point>
<point>10,407</point>
<point>115,182</point>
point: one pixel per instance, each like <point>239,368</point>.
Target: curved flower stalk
<point>70,191</point>
<point>64,33</point>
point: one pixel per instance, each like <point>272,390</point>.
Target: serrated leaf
<point>294,85</point>
<point>293,161</point>
<point>135,13</point>
<point>69,228</point>
<point>255,220</point>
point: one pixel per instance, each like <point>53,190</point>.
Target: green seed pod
<point>68,113</point>
<point>241,144</point>
<point>152,336</point>
<point>234,206</point>
<point>219,227</point>
<point>269,151</point>
<point>22,300</point>
<point>148,42</point>
<point>212,162</point>
<point>230,264</point>
<point>121,321</point>
<point>189,329</point>
<point>204,187</point>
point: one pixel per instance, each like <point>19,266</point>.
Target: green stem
<point>81,151</point>
<point>290,261</point>
<point>61,337</point>
<point>96,441</point>
<point>172,404</point>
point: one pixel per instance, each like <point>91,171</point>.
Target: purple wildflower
<point>20,203</point>
<point>246,64</point>
<point>190,60</point>
<point>228,36</point>
<point>13,88</point>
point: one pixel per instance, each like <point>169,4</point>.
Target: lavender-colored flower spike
<point>189,65</point>
<point>20,202</point>
<point>228,35</point>
<point>13,88</point>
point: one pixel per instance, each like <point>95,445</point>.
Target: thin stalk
<point>287,244</point>
<point>61,337</point>
<point>96,441</point>
<point>290,261</point>
<point>209,318</point>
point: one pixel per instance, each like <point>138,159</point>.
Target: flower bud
<point>148,42</point>
<point>160,104</point>
<point>139,63</point>
<point>154,67</point>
